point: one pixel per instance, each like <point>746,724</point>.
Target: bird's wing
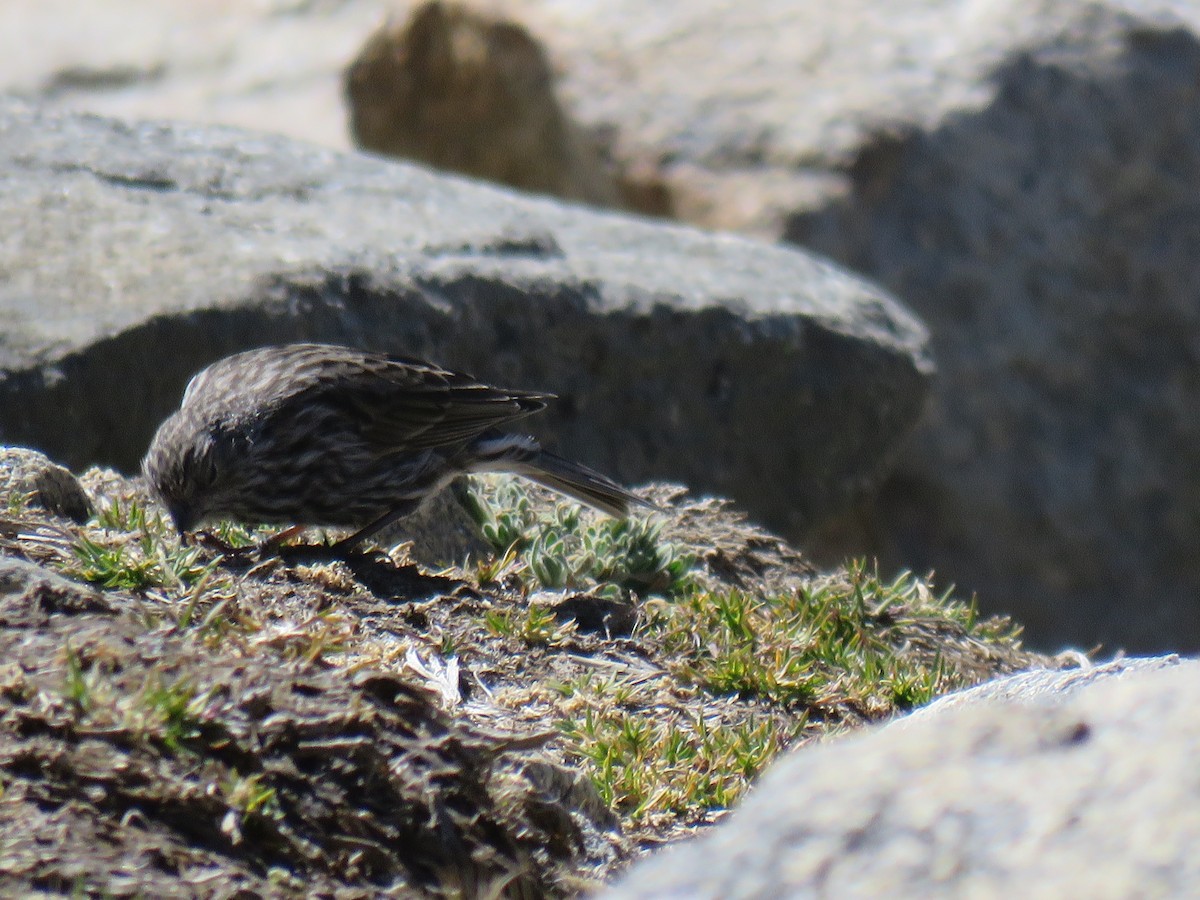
<point>408,404</point>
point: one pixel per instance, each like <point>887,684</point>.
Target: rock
<point>273,66</point>
<point>279,67</point>
<point>146,251</point>
<point>1055,474</point>
<point>1040,685</point>
<point>1046,235</point>
<point>471,93</point>
<point>27,476</point>
<point>1023,174</point>
<point>1092,795</point>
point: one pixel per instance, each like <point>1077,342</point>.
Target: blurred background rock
<point>1022,174</point>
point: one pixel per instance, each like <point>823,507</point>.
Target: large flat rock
<point>133,254</point>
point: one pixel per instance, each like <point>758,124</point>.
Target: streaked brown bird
<point>319,434</point>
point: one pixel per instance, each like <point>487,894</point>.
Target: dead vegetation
<point>176,724</point>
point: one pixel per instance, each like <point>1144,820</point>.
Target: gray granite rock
<point>1041,685</point>
<point>1092,794</point>
<point>135,254</point>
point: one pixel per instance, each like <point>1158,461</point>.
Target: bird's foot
<point>253,555</point>
<point>276,549</point>
<point>214,544</point>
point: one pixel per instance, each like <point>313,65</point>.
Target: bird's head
<point>184,469</point>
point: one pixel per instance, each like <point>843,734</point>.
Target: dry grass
<point>668,659</point>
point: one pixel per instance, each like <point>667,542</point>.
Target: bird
<point>326,435</point>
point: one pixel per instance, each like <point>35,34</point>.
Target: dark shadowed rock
<point>1091,794</point>
<point>135,254</point>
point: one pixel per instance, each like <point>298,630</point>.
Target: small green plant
<point>238,536</point>
<point>650,765</point>
<point>87,686</point>
<point>251,796</point>
<point>911,686</point>
<point>113,566</point>
<point>501,508</point>
<point>127,516</point>
<point>564,546</point>
<point>850,636</point>
<point>136,553</point>
<point>77,688</point>
<point>447,645</point>
<point>18,501</point>
<point>171,711</point>
<point>168,712</point>
<point>592,686</point>
<point>534,624</point>
<point>493,569</point>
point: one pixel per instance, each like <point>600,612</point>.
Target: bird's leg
<point>210,541</point>
<point>272,544</point>
<point>238,555</point>
<point>388,518</point>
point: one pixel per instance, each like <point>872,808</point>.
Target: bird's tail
<point>580,483</point>
<point>522,455</point>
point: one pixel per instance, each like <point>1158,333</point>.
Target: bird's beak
<point>181,516</point>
